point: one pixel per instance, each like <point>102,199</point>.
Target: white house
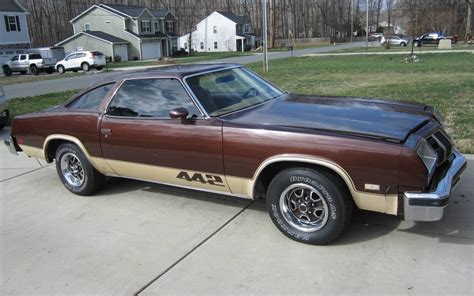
<point>220,31</point>
<point>14,35</point>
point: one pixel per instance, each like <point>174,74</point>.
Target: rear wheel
<point>7,71</point>
<point>99,68</point>
<point>309,206</point>
<point>75,171</point>
<point>85,66</point>
<point>61,69</point>
<point>403,44</point>
<point>34,70</point>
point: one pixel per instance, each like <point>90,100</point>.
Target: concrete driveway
<point>136,237</point>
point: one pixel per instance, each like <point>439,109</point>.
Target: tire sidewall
<point>85,66</point>
<point>85,187</point>
<point>327,189</point>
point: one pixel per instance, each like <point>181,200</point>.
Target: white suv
<point>84,60</point>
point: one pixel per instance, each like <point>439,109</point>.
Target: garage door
<point>151,50</point>
<point>122,51</point>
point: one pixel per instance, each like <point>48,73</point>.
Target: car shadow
<point>114,186</point>
<point>456,227</point>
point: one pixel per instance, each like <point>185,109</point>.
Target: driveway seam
<point>11,178</point>
<point>193,249</point>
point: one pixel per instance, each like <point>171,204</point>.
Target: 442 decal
<point>202,178</point>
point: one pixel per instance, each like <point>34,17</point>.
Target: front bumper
<point>429,206</point>
<point>10,143</point>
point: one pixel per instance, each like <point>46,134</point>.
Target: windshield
<point>226,91</point>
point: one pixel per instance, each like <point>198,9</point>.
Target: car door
<point>23,62</point>
<point>14,64</point>
<point>139,139</point>
<point>69,61</point>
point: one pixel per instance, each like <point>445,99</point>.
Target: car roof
<point>179,71</point>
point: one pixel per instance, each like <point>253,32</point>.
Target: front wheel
<point>309,206</point>
<point>7,71</point>
<point>61,69</point>
<point>75,171</point>
<point>416,44</point>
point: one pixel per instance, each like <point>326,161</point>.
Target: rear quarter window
<point>35,56</point>
<point>92,99</point>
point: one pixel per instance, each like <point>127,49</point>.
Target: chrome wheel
<point>303,207</point>
<point>72,170</point>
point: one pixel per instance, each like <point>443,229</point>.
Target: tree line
<point>49,19</point>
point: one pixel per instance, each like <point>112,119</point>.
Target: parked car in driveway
<point>432,38</point>
<point>394,40</point>
<point>32,62</point>
<point>221,128</point>
<point>81,60</point>
<point>375,36</point>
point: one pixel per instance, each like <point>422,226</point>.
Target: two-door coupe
<point>222,128</point>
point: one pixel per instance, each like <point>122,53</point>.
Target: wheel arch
<point>52,142</point>
<point>363,200</point>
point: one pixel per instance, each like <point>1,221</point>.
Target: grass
<point>18,78</point>
<point>445,81</point>
<point>396,48</point>
<point>19,106</point>
<point>197,57</point>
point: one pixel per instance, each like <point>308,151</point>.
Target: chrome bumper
<point>10,143</point>
<point>429,206</point>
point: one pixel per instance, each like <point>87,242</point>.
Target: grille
<point>441,144</point>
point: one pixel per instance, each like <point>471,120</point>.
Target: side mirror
<point>179,113</point>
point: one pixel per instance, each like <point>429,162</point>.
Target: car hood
<point>388,120</point>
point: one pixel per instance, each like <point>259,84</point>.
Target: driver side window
<point>150,98</point>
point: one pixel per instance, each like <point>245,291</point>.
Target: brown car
<point>222,128</point>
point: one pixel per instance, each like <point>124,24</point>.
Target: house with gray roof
<point>131,32</point>
<point>220,31</point>
<point>14,35</point>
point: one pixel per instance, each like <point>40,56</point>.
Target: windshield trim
<point>198,102</point>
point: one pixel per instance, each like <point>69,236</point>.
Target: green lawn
<point>18,78</point>
<point>445,81</point>
<point>196,57</point>
<point>379,48</point>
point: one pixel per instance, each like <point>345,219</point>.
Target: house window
<point>215,29</point>
<point>169,26</point>
<point>87,27</point>
<point>202,45</point>
<point>215,45</point>
<point>246,28</point>
<point>156,26</point>
<point>12,23</point>
<point>146,26</point>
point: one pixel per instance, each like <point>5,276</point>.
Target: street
<point>137,237</point>
<point>79,82</point>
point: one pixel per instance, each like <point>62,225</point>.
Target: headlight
<point>429,156</point>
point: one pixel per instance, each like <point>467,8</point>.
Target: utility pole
<point>271,24</point>
<point>352,19</point>
<point>367,27</point>
<point>265,37</point>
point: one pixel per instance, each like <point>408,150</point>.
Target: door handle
<point>106,131</point>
